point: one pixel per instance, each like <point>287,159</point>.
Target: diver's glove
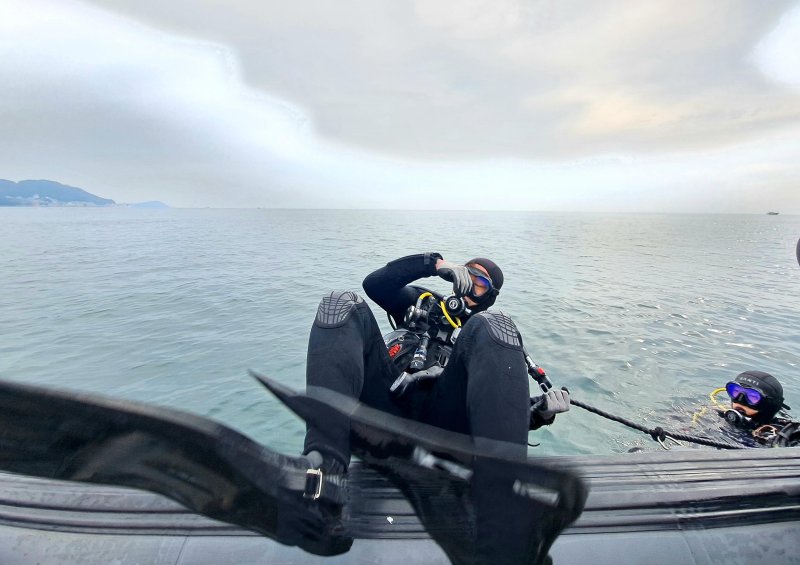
<point>458,275</point>
<point>553,402</point>
<point>408,381</point>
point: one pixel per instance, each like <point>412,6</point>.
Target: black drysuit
<point>483,391</point>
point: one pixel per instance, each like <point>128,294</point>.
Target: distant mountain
<point>149,204</point>
<point>47,193</point>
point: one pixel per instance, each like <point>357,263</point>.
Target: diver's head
<point>487,279</point>
<point>757,395</point>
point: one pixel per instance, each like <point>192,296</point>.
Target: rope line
<point>657,433</point>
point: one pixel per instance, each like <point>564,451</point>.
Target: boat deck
<point>688,506</point>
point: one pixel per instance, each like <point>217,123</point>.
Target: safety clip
<point>661,442</point>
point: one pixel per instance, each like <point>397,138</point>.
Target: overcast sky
<point>673,106</point>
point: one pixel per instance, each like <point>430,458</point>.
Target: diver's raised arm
<point>389,286</point>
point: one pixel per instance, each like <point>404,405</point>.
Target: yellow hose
<point>447,315</point>
<point>422,297</point>
<point>714,402</point>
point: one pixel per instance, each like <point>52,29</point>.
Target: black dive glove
<point>458,275</point>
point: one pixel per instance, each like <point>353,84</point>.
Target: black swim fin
<point>482,503</point>
<point>207,467</point>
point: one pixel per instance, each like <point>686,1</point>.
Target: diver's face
<point>744,409</point>
<point>479,287</point>
<point>744,399</point>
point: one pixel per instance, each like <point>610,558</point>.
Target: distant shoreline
<point>51,194</point>
<point>143,205</point>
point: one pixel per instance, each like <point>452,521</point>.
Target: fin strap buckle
<point>314,480</point>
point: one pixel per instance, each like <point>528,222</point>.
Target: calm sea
<point>640,315</point>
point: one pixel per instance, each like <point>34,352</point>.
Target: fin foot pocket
<point>208,468</point>
<point>480,504</point>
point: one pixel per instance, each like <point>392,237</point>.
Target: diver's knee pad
<point>336,308</point>
<point>501,328</point>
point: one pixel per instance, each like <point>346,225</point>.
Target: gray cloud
<point>477,78</point>
<point>656,106</point>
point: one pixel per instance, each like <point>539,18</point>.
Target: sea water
<point>639,315</point>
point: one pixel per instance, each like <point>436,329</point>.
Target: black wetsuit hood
<point>496,274</point>
<point>770,389</point>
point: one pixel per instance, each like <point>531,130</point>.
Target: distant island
<point>148,204</point>
<point>49,193</point>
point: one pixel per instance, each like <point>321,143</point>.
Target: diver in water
<point>450,362</point>
<point>471,372</point>
<point>757,411</point>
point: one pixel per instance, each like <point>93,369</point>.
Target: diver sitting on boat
<point>757,411</point>
<point>450,362</point>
